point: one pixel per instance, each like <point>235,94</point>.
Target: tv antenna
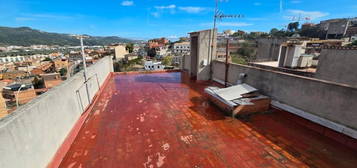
<point>219,16</point>
<point>301,18</point>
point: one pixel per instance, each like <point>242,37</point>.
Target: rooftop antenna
<point>301,18</point>
<point>81,37</point>
<point>218,16</point>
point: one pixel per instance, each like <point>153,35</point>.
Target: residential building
<point>3,107</point>
<point>14,74</point>
<point>61,63</point>
<point>16,92</point>
<point>27,69</point>
<point>142,52</point>
<point>338,28</point>
<point>157,42</point>
<point>162,51</point>
<point>234,45</point>
<point>352,29</point>
<point>51,80</point>
<point>228,32</point>
<point>153,66</point>
<point>131,56</point>
<point>45,67</point>
<point>181,47</point>
<point>120,52</point>
<point>12,59</point>
<point>136,48</point>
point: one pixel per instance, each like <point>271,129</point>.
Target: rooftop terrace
<point>164,120</point>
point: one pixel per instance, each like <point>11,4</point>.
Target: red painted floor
<point>162,120</point>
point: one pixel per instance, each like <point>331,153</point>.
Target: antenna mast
<point>218,15</point>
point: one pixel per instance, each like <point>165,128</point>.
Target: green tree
<point>239,33</point>
<point>167,61</point>
<point>38,83</point>
<point>63,71</point>
<point>274,31</point>
<point>129,47</point>
<point>47,59</point>
<point>354,43</point>
<point>280,33</point>
<point>294,26</point>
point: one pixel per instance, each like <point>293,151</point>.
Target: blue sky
<point>143,19</point>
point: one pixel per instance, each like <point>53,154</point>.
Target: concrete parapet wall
<point>338,65</point>
<point>331,101</point>
<point>31,135</point>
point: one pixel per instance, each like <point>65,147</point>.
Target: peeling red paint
<point>162,120</point>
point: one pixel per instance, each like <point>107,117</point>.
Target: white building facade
<point>182,47</point>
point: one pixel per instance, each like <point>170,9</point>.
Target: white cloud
<point>192,9</point>
<point>311,14</point>
<point>173,37</point>
<point>172,8</point>
<point>127,3</point>
<point>24,19</point>
<point>166,7</point>
<point>229,24</point>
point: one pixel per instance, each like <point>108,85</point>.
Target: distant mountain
<point>25,36</point>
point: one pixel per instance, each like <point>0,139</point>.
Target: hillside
<point>25,36</point>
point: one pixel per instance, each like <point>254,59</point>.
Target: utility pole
<point>218,16</point>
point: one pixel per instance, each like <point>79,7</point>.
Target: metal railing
<point>87,91</point>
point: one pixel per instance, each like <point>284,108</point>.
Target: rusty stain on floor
<point>163,120</point>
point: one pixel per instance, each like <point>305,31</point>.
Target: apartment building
<point>181,47</point>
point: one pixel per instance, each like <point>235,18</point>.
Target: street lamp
<point>17,95</point>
